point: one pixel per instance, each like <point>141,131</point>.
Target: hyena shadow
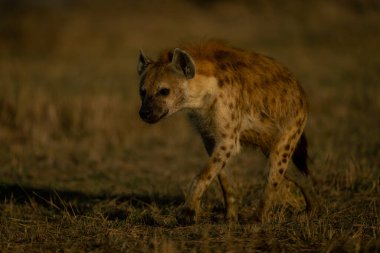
<point>138,208</point>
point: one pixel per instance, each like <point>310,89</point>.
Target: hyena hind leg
<point>279,158</point>
<point>300,176</point>
<point>303,182</point>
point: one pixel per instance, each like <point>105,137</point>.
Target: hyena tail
<point>300,155</point>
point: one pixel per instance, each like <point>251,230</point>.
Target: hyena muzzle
<point>234,98</point>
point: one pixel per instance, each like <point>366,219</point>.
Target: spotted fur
<point>235,98</point>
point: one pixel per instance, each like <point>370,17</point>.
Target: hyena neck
<point>201,92</point>
<point>202,101</point>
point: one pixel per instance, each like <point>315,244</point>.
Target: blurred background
<point>68,87</point>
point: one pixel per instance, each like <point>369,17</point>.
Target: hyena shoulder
<point>246,81</point>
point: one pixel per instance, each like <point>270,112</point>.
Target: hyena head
<point>163,84</point>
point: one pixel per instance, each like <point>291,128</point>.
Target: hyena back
<point>234,98</point>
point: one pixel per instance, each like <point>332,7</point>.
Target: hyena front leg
<point>279,158</point>
<point>229,195</point>
<point>228,189</point>
<point>218,160</point>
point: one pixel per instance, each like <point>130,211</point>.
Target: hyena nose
<point>145,113</point>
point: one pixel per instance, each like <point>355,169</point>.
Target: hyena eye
<point>142,93</point>
<point>164,92</point>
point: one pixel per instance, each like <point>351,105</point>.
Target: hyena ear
<point>143,63</point>
<point>184,61</point>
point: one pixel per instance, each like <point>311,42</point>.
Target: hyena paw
<point>186,216</point>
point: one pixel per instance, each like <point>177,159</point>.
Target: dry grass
<point>80,172</point>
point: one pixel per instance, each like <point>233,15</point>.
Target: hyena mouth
<point>151,118</point>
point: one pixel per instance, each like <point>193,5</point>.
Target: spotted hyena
<point>235,98</point>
